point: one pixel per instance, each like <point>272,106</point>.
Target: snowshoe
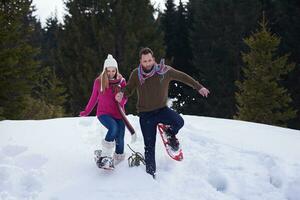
<point>170,142</point>
<point>103,162</point>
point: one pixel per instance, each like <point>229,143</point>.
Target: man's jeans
<point>148,123</point>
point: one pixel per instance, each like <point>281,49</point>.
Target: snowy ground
<point>223,160</point>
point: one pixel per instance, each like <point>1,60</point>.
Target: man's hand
<point>119,96</point>
<point>204,92</point>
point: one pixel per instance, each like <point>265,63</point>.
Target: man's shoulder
<point>134,72</point>
<point>133,75</point>
<point>170,70</point>
<point>169,67</point>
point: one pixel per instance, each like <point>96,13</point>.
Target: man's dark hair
<point>145,51</point>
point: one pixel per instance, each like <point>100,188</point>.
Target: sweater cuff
<point>198,86</point>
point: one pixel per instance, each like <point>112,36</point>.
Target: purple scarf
<point>160,69</point>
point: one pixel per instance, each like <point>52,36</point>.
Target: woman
<point>104,90</point>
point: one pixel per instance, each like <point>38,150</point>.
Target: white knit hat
<point>110,62</point>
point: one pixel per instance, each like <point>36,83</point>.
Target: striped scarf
<point>115,84</point>
<point>160,69</point>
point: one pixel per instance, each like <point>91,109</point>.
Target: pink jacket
<point>107,104</point>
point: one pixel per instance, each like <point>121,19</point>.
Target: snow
<point>223,159</point>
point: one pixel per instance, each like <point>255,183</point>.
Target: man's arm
<point>184,78</point>
<point>129,88</point>
<point>188,80</point>
<point>131,84</point>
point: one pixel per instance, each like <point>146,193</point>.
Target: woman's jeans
<point>116,131</point>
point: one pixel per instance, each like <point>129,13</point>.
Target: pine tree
<point>51,89</point>
<point>29,89</point>
<point>18,66</point>
<point>48,94</point>
<point>81,47</point>
<point>286,15</point>
<point>178,53</point>
<point>182,53</point>
<point>50,43</point>
<point>261,97</point>
<point>216,40</point>
<point>168,25</point>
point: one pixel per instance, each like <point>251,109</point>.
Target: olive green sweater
<point>153,93</point>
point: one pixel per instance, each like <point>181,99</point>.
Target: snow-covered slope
<point>223,159</point>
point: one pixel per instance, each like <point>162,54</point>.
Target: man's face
<point>147,61</point>
<point>111,72</point>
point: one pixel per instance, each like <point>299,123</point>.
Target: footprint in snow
<point>31,161</point>
<point>218,181</point>
<point>13,150</point>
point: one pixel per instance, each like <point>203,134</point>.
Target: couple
<point>151,81</point>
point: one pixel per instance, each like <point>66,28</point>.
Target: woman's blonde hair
<point>103,78</point>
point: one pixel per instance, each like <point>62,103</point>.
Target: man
<point>151,81</point>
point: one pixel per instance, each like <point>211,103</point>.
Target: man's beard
<point>148,69</point>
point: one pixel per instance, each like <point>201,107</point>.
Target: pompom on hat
<point>110,62</point>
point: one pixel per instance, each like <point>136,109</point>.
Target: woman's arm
<point>93,99</point>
